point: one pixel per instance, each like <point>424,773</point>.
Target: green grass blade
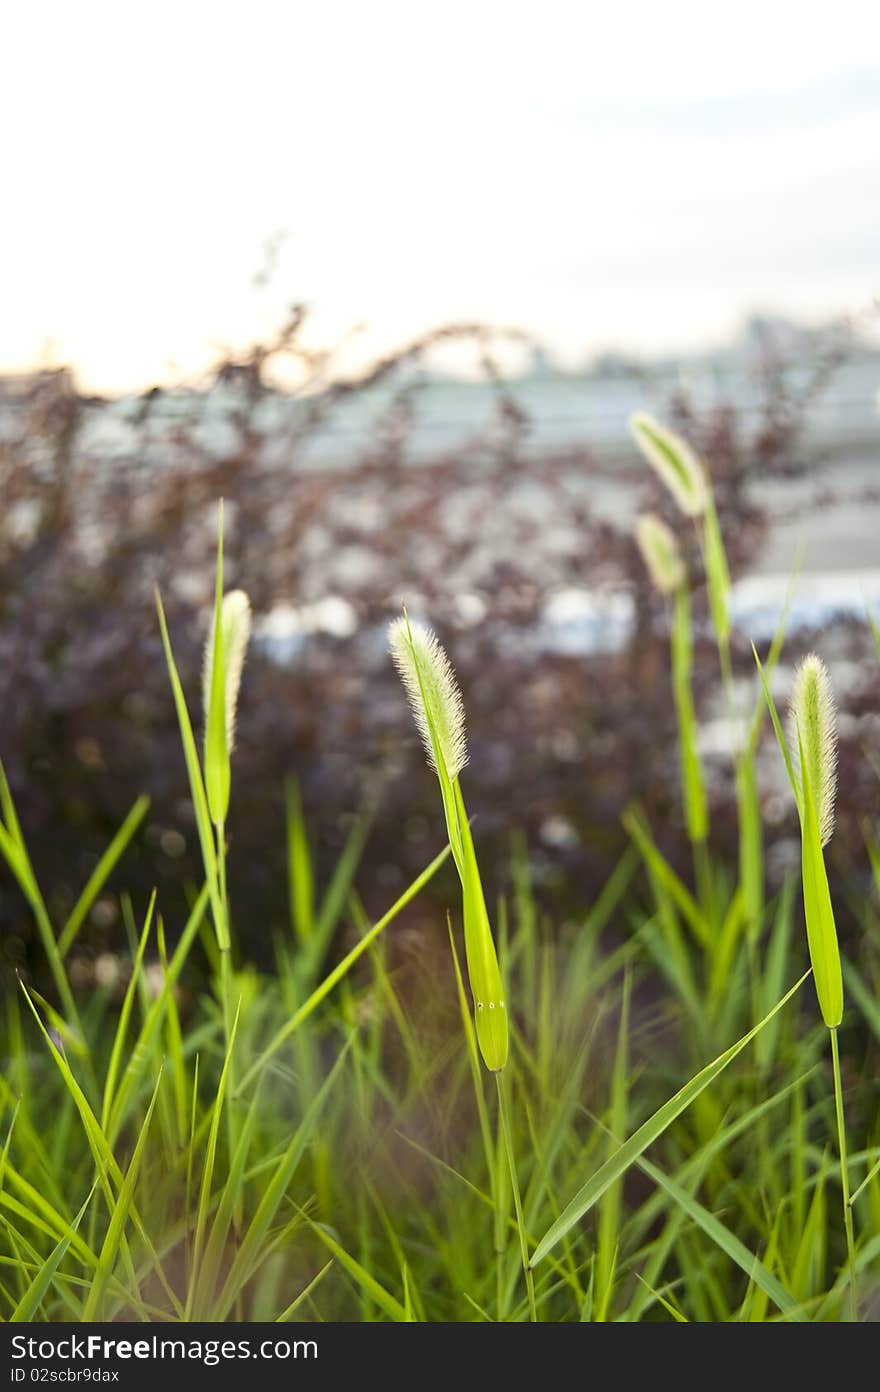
<point>124,1017</point>
<point>46,1218</point>
<point>30,1302</point>
<point>275,1190</point>
<point>818,910</point>
<point>208,1166</point>
<point>197,787</point>
<point>647,1133</point>
<point>751,845</point>
<point>717,573</point>
<point>14,852</point>
<point>153,1021</point>
<point>218,775</point>
<point>692,779</point>
<point>780,735</point>
<point>490,1005</point>
<point>335,976</point>
<point>634,823</point>
<point>336,895</point>
<point>607,1243</point>
<point>377,1292</point>
<point>300,880</point>
<point>109,1173</point>
<point>101,874</point>
<point>304,1294</point>
<point>728,1242</point>
<point>119,1217</point>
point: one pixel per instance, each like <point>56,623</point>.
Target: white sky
<point>635,175</point>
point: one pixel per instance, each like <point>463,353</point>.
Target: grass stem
<point>844,1174</point>
<point>228,1004</point>
<point>517,1200</point>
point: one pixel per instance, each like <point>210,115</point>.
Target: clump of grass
<point>332,1190</point>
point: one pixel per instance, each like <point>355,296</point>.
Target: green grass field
<point>670,1115</point>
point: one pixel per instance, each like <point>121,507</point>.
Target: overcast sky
<point>637,176</point>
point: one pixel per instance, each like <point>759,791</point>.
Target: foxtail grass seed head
<point>812,726</point>
<point>436,701</point>
<point>673,461</point>
<point>235,617</point>
<point>430,684</point>
<point>660,553</point>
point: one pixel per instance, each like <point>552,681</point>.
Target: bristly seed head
<point>812,725</point>
<point>660,553</point>
<point>235,617</point>
<point>433,693</point>
<point>673,461</point>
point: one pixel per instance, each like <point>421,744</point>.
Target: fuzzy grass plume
<point>812,726</point>
<point>673,461</point>
<point>660,552</point>
<point>439,712</point>
<point>235,629</point>
<point>430,684</point>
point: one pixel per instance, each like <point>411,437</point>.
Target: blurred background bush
<point>699,241</point>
